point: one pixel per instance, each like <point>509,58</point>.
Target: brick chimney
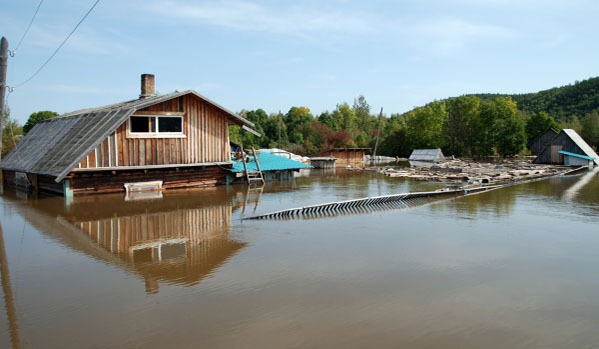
<point>147,86</point>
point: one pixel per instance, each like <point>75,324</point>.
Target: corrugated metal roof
<point>55,146</point>
<point>427,155</point>
<point>576,155</point>
<point>269,162</point>
<point>588,151</point>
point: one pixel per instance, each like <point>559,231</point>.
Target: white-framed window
<point>156,125</point>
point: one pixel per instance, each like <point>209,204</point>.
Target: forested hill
<point>578,99</point>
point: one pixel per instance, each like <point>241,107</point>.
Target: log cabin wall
<point>205,139</point>
<point>85,183</point>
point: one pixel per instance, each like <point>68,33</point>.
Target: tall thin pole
<point>279,129</point>
<point>3,65</point>
<point>378,133</point>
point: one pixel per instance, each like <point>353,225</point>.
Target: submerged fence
<point>366,205</point>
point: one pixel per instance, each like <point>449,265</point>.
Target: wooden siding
<point>84,183</point>
<point>206,139</point>
<point>539,143</point>
<point>346,157</point>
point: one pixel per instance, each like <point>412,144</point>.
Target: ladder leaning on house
<point>252,176</point>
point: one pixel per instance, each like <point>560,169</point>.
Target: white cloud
<point>449,35</point>
<point>248,16</point>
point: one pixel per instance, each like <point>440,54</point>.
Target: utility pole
<point>378,133</point>
<point>279,129</point>
<point>3,65</point>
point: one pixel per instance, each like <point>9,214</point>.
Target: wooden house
<point>178,140</point>
<point>345,156</point>
<point>566,142</point>
<point>538,144</point>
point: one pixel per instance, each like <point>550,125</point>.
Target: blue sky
<point>247,54</point>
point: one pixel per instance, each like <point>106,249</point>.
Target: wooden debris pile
<point>463,172</point>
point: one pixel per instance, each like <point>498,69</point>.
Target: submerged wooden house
<point>344,156</point>
<point>178,140</point>
<point>566,146</point>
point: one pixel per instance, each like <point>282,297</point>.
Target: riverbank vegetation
<point>469,125</point>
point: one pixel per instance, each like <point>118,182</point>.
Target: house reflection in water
<point>181,246</point>
<point>178,239</point>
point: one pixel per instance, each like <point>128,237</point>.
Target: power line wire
<point>59,47</point>
<point>28,27</point>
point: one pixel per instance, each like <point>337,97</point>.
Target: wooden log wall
<point>206,139</point>
<point>84,183</point>
<point>121,234</point>
<point>346,157</point>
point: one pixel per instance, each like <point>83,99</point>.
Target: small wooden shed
<point>565,141</point>
<point>345,156</point>
<point>178,140</point>
<point>538,144</point>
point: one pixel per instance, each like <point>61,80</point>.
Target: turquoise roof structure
<point>576,155</point>
<point>270,162</point>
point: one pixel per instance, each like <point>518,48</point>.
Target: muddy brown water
<point>514,267</point>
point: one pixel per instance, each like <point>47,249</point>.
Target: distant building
<point>538,144</point>
<point>179,140</point>
<point>427,155</point>
<point>345,156</point>
<point>567,143</point>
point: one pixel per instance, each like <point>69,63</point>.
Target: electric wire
<point>59,46</point>
<point>28,27</point>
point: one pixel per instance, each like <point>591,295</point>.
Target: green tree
<point>295,118</point>
<point>538,123</point>
<point>329,120</point>
<point>462,114</point>
<point>37,117</point>
<point>425,126</point>
<point>511,134</point>
<point>485,130</point>
<point>12,133</point>
<point>590,129</point>
<point>365,121</point>
<point>572,122</point>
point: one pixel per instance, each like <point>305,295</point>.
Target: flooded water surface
<point>513,267</point>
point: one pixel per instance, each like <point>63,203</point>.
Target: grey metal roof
<point>427,155</point>
<point>588,151</point>
<point>55,146</point>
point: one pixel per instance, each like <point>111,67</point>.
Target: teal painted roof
<point>269,162</point>
<point>576,155</point>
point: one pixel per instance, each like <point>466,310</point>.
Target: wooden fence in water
<point>365,205</point>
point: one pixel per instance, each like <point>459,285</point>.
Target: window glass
<point>152,124</point>
<point>140,123</point>
<point>170,124</point>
